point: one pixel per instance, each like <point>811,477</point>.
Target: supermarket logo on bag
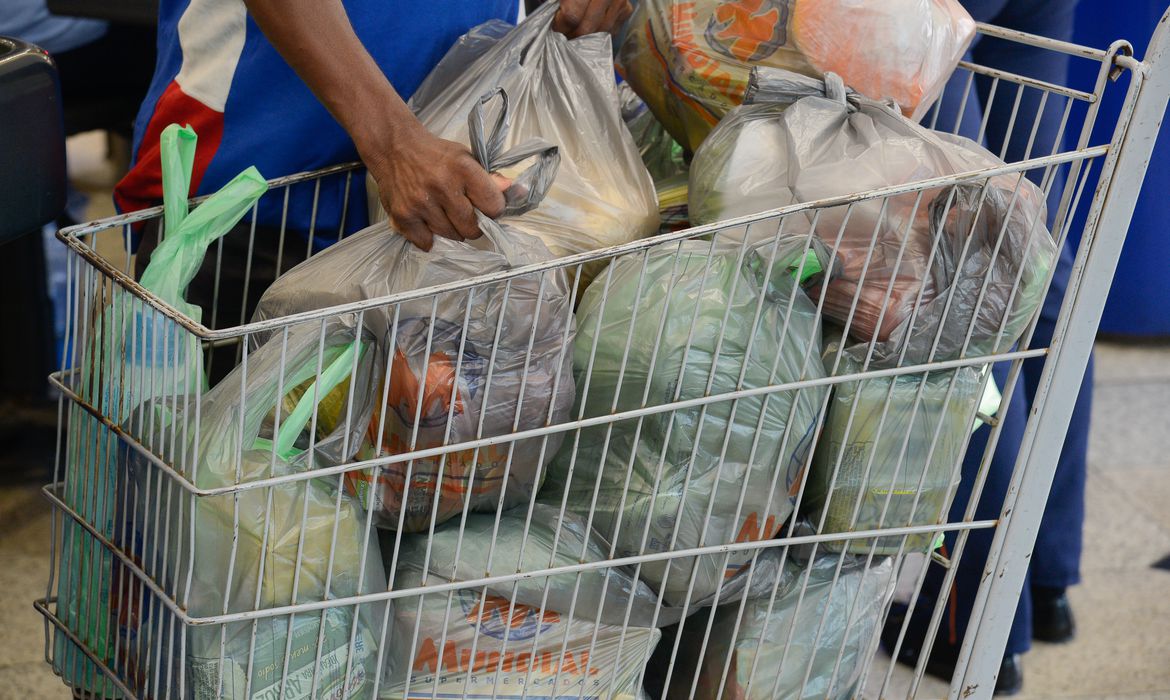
<point>498,618</point>
<point>447,377</point>
<point>748,30</point>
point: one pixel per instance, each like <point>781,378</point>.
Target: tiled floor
<point>1123,605</point>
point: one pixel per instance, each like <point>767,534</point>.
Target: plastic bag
<point>909,458</point>
<point>134,353</point>
<point>944,245</point>
<point>660,153</point>
<point>442,356</point>
<point>563,91</point>
<point>690,59</point>
<point>297,542</point>
<point>481,642</point>
<point>810,621</point>
<point>671,475</point>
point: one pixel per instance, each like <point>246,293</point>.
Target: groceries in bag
<point>690,59</point>
<point>924,267</point>
<point>890,454</point>
<point>816,615</point>
<point>586,635</point>
<point>296,542</point>
<point>463,365</point>
<point>690,320</point>
<point>132,354</point>
<point>563,92</point>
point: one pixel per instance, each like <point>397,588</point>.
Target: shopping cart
<point>223,542</point>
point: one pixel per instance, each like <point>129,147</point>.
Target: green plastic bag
<point>701,320</point>
<point>132,353</point>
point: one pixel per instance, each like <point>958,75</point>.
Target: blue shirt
<point>218,72</point>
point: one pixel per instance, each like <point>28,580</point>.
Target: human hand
<point>580,17</point>
<point>431,187</point>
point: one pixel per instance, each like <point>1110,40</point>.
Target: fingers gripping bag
<point>895,445</point>
<point>924,267</point>
<point>563,92</point>
<point>701,319</point>
<point>690,59</point>
<point>548,637</point>
<point>253,549</point>
<point>462,365</point>
<point>786,644</point>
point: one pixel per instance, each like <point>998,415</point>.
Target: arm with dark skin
<point>429,186</point>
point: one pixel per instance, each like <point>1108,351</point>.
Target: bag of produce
<point>564,92</point>
<point>922,266</point>
<point>132,354</point>
<point>690,59</point>
<point>257,548</point>
<point>463,365</point>
<point>767,650</point>
<point>509,638</point>
<point>896,444</point>
<point>699,318</point>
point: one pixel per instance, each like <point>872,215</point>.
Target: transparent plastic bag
<point>670,481</point>
<point>810,621</point>
<point>563,92</point>
<point>571,640</point>
<point>896,444</point>
<point>298,542</point>
<point>690,59</point>
<point>444,348</point>
<point>660,153</point>
<point>973,254</point>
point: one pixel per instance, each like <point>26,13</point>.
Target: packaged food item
<point>915,269</point>
<point>895,445</point>
<point>258,548</point>
<point>692,320</point>
<point>787,645</point>
<point>690,59</point>
<point>463,365</point>
<point>133,354</point>
<point>563,92</point>
<point>548,637</point>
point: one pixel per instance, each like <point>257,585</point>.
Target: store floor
<point>1123,605</point>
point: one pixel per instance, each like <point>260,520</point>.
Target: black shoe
<point>1010,680</point>
<point>944,657</point>
<point>1052,616</point>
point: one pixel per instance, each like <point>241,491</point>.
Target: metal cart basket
<point>602,497</point>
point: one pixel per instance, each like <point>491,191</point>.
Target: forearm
<point>316,38</point>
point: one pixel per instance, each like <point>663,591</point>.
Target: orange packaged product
<point>690,59</point>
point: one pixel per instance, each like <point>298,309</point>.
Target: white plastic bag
<point>811,620</point>
<point>563,92</point>
<point>566,641</point>
<point>690,59</point>
<point>258,548</point>
<point>670,481</point>
<point>441,356</point>
<point>972,254</point>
